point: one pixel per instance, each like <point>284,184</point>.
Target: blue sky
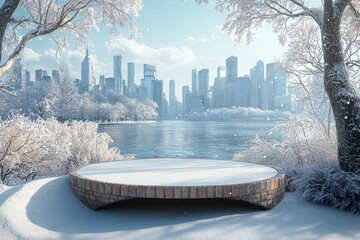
<point>176,36</point>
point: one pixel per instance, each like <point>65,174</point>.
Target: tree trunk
<point>344,100</point>
<point>6,11</point>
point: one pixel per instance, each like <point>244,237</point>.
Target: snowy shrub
<point>304,142</point>
<point>235,113</point>
<point>325,183</point>
<point>308,154</point>
<point>49,148</point>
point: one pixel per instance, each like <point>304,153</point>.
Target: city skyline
<point>193,43</point>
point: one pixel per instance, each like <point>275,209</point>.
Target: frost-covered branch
<point>58,19</point>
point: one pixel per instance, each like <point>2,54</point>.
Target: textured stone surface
<point>266,193</point>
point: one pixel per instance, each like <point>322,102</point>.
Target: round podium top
<point>176,172</point>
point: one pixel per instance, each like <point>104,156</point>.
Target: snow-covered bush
<point>50,148</point>
<point>235,113</point>
<point>325,183</point>
<point>308,154</point>
<point>304,142</point>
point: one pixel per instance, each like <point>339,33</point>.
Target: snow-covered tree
<point>85,107</point>
<point>63,96</point>
<point>31,102</point>
<point>35,18</point>
<point>49,148</point>
<point>331,17</point>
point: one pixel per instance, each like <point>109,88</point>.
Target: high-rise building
<point>149,76</point>
<point>39,75</point>
<point>203,87</point>
<point>131,78</point>
<point>229,94</point>
<point>86,73</point>
<point>281,100</point>
<point>117,74</point>
<point>270,80</point>
<point>157,90</point>
<point>55,74</point>
<point>172,99</point>
<point>185,101</point>
<point>242,89</point>
<point>280,83</point>
<point>258,86</point>
<point>19,72</point>
<point>102,81</point>
<point>219,88</point>
<point>194,82</point>
<point>218,92</point>
<point>28,81</point>
<point>231,69</point>
<point>110,84</point>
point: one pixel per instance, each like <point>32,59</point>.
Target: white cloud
<point>203,39</point>
<point>30,55</point>
<point>164,57</point>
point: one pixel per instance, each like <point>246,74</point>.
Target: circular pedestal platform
<point>98,185</point>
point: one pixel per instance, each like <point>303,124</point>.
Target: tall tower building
<point>157,89</point>
<point>172,99</point>
<point>28,81</point>
<point>131,78</point>
<point>117,74</point>
<point>280,83</point>
<point>270,80</point>
<point>242,88</point>
<point>39,75</point>
<point>185,99</point>
<point>149,76</point>
<point>86,73</point>
<point>203,84</point>
<point>194,82</point>
<point>258,87</point>
<point>55,75</point>
<point>231,69</point>
<point>20,74</point>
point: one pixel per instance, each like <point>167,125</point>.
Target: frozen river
<point>186,139</point>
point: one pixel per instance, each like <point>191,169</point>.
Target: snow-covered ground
<point>47,209</point>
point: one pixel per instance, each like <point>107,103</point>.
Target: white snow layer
<point>47,209</point>
<point>177,172</point>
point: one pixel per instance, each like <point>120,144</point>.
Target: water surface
<point>186,139</point>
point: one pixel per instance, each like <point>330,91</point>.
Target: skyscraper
<point>270,80</point>
<point>55,74</point>
<point>185,101</point>
<point>117,74</point>
<point>86,73</point>
<point>149,76</point>
<point>203,84</point>
<point>231,69</point>
<point>172,98</point>
<point>194,82</point>
<point>131,78</point>
<point>39,75</point>
<point>242,88</point>
<point>28,81</point>
<point>19,72</point>
<point>157,89</point>
<point>258,86</point>
<point>280,83</point>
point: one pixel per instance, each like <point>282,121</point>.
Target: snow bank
<point>236,113</point>
<point>46,209</point>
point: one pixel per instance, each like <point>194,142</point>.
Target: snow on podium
<point>99,185</point>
